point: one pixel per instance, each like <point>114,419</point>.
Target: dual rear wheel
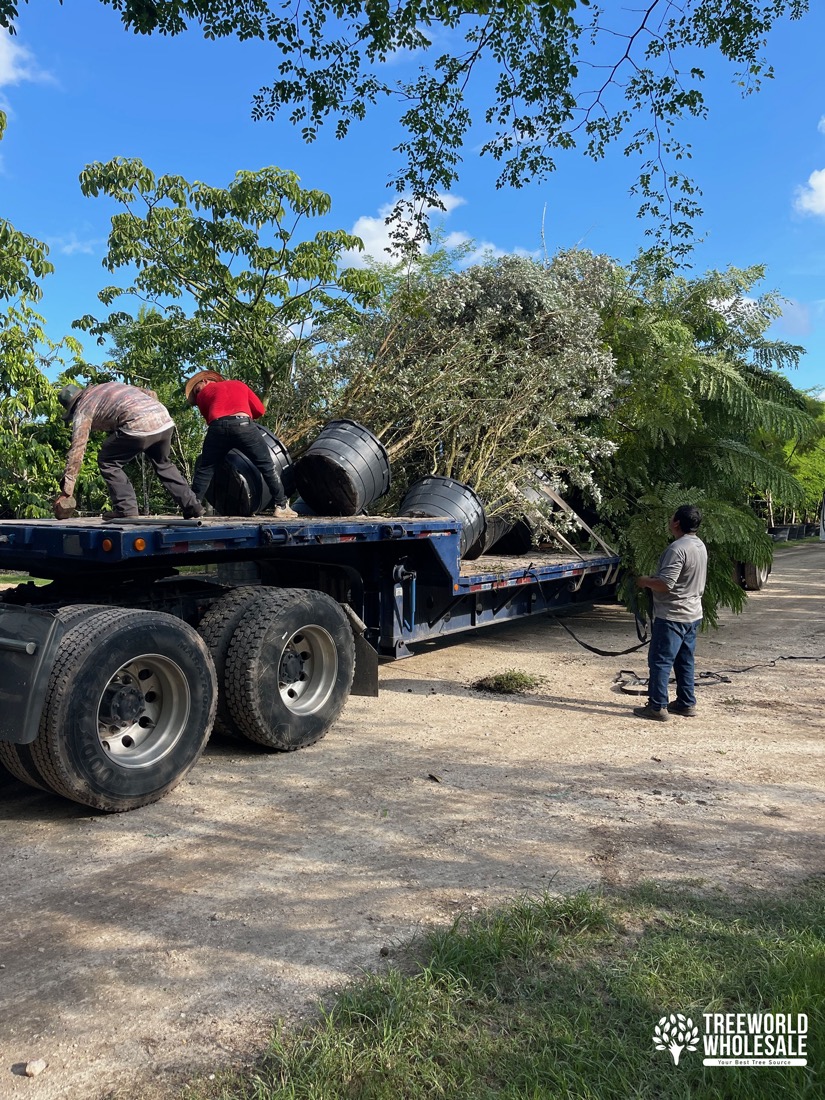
<point>133,695</point>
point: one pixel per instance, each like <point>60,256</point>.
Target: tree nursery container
<point>238,489</point>
<point>442,496</point>
<point>343,471</point>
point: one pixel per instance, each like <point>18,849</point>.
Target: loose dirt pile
<point>139,949</point>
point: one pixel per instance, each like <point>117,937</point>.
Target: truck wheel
<point>128,709</point>
<point>18,759</point>
<point>289,669</point>
<point>754,577</point>
<point>216,628</point>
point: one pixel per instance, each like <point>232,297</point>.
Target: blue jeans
<point>672,646</point>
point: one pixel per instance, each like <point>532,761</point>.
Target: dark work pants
<point>118,449</point>
<point>672,646</point>
<point>232,433</point>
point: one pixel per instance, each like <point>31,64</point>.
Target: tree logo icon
<point>676,1033</point>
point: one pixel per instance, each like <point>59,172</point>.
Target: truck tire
<point>754,577</point>
<point>216,628</point>
<point>12,761</point>
<point>18,759</point>
<point>289,669</point>
<point>128,709</point>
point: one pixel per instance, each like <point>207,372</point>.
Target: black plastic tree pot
<point>238,489</point>
<point>343,471</point>
<point>435,497</point>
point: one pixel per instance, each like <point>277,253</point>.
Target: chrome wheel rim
<point>307,670</point>
<point>143,711</point>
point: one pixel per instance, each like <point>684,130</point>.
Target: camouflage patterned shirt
<point>112,407</point>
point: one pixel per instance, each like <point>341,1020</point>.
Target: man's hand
<point>653,583</point>
<point>64,507</point>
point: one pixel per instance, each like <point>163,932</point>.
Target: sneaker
<point>283,511</point>
<point>655,714</point>
<point>681,708</point>
<point>192,511</point>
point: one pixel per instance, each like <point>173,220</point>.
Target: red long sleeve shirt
<point>227,399</point>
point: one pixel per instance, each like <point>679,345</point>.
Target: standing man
<point>677,587</point>
<point>229,408</point>
<point>137,424</point>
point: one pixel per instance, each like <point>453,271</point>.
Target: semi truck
<point>154,631</point>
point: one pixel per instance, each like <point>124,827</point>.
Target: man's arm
<point>80,437</point>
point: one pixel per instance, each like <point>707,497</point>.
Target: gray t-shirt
<point>684,569</point>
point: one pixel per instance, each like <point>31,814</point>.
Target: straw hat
<point>201,376</point>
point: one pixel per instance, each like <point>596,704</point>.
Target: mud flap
<point>28,643</point>
<point>365,680</point>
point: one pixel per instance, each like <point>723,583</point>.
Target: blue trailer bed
<point>111,674</point>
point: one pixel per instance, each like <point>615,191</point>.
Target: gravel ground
<point>137,950</point>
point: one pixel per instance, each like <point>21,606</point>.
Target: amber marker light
<point>140,544</point>
<point>107,545</point>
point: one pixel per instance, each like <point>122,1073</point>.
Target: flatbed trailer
<point>155,630</point>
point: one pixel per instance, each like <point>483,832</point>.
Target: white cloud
<point>375,233</point>
<point>810,198</point>
<point>484,250</point>
<point>821,125</point>
<point>72,245</point>
<point>17,64</point>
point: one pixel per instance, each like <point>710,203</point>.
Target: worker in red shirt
<point>229,408</point>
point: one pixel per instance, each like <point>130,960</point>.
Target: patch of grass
<point>731,701</point>
<point>21,578</point>
<point>791,543</point>
<point>557,998</point>
<point>509,682</point>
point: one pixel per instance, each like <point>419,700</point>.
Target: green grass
<point>509,682</point>
<point>21,578</point>
<point>557,998</point>
<point>791,543</point>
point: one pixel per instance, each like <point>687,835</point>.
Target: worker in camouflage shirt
<point>137,423</point>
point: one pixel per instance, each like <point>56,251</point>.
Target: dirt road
<point>140,948</point>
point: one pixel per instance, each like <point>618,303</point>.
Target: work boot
<point>283,511</point>
<point>681,708</point>
<point>655,714</point>
<point>192,511</point>
<point>115,513</point>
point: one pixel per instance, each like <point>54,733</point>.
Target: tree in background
<point>549,77</point>
<point>226,284</point>
<point>699,388</point>
<point>31,428</point>
<point>806,461</point>
<point>479,375</point>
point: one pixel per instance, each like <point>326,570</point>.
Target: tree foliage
<point>228,283</point>
<point>699,389</point>
<point>549,77</point>
<point>31,431</point>
<point>806,462</point>
<point>479,375</point>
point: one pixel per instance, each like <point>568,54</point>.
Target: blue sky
<point>78,88</point>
